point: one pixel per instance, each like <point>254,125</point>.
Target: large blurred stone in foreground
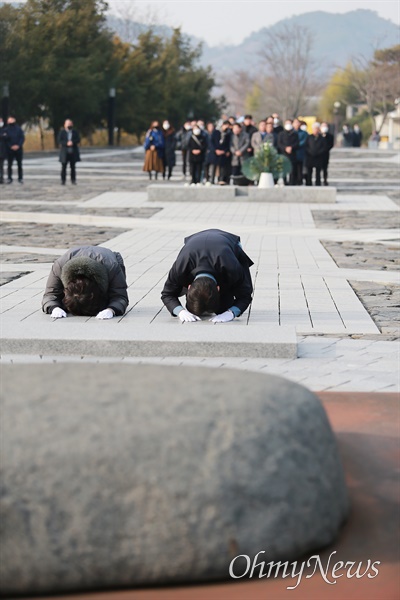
<point>118,475</point>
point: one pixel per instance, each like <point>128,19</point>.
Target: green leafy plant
<point>266,160</point>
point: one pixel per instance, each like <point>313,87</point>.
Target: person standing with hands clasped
<point>87,281</point>
<point>68,140</point>
<point>213,271</point>
<point>15,138</point>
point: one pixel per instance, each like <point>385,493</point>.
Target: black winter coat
<point>218,253</point>
<point>15,136</point>
<point>288,138</point>
<point>224,160</point>
<point>197,142</point>
<point>315,151</point>
<point>3,143</point>
<point>106,268</point>
<point>69,150</point>
<point>169,149</point>
<point>328,139</point>
<point>212,145</point>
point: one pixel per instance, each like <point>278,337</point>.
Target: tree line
<point>58,59</point>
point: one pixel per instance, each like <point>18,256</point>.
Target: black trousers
<point>225,173</point>
<point>317,175</point>
<point>195,171</point>
<point>14,155</point>
<point>236,170</point>
<point>298,172</point>
<point>325,171</point>
<point>212,169</point>
<point>1,170</point>
<point>72,162</point>
<point>184,161</point>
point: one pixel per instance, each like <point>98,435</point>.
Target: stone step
<point>80,336</point>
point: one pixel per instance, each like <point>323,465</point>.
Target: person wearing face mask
<point>15,138</point>
<point>277,124</point>
<point>328,138</point>
<point>169,149</point>
<point>347,136</point>
<point>154,147</point>
<point>288,142</point>
<point>182,139</point>
<point>357,136</point>
<point>315,151</point>
<point>68,140</point>
<point>3,149</point>
<point>301,128</point>
<point>250,129</point>
<point>223,153</point>
<point>239,144</point>
<point>197,150</point>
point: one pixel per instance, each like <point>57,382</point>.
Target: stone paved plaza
<point>325,275</point>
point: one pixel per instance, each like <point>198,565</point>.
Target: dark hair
<point>248,117</point>
<point>238,124</point>
<point>202,296</point>
<point>82,296</point>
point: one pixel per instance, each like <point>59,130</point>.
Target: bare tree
<point>377,81</point>
<point>287,56</point>
<point>234,87</point>
<point>130,20</point>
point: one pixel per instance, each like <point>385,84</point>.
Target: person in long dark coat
<point>3,149</point>
<point>197,151</point>
<point>224,154</point>
<point>347,136</point>
<point>87,280</point>
<point>315,152</point>
<point>15,138</point>
<point>301,128</point>
<point>329,141</point>
<point>357,136</point>
<point>213,271</point>
<point>250,129</point>
<point>68,140</point>
<point>169,149</point>
<point>211,161</point>
<point>288,142</point>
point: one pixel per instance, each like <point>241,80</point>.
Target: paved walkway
<point>299,290</point>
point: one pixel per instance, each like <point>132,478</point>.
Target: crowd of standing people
<point>215,152</point>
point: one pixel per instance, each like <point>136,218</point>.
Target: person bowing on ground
<point>213,271</point>
<point>87,281</point>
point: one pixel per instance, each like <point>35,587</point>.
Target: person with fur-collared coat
<point>88,281</point>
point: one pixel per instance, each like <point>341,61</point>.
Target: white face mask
<point>303,127</point>
<point>166,125</point>
<point>1,124</point>
<point>324,129</point>
<point>201,127</point>
<point>197,131</point>
<point>187,127</point>
<point>356,129</point>
<point>288,127</point>
<point>276,121</point>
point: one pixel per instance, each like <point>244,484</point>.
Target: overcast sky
<point>229,22</point>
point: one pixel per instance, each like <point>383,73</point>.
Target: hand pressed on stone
<point>108,313</point>
<point>187,317</point>
<point>224,317</point>
<point>58,313</point>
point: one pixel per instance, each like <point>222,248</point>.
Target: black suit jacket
<point>218,253</point>
<point>63,139</point>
